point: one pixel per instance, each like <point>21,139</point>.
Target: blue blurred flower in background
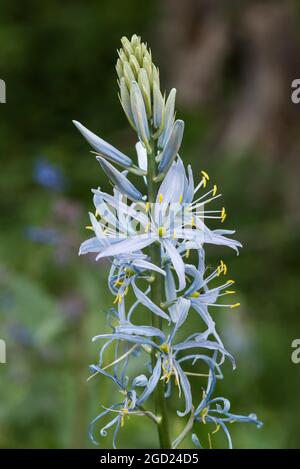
<point>48,175</point>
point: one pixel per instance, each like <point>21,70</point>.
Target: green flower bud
<point>134,65</point>
<point>126,46</point>
<point>119,68</point>
<point>169,118</point>
<point>158,108</point>
<point>128,75</point>
<point>147,65</point>
<point>144,85</point>
<point>125,101</point>
<point>139,114</point>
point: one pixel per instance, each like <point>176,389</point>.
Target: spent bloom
<point>153,228</point>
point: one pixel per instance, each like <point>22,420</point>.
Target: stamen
<point>204,414</point>
<point>180,198</point>
<point>223,215</point>
<point>118,283</point>
<point>214,190</point>
<point>89,227</point>
<point>236,305</point>
<point>165,348</point>
<point>217,428</point>
<point>195,294</point>
<point>160,198</point>
<point>161,231</point>
<point>205,175</point>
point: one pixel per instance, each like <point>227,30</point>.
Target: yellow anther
<point>147,206</point>
<point>117,299</point>
<point>217,428</point>
<point>195,294</point>
<point>204,182</point>
<point>223,267</point>
<point>125,291</point>
<point>180,198</point>
<point>165,348</point>
<point>160,198</point>
<point>205,175</point>
<point>128,271</point>
<point>204,414</point>
<point>147,227</point>
<point>236,305</point>
<point>230,281</point>
<point>124,413</point>
<point>97,214</point>
<point>230,292</point>
<point>161,231</point>
<point>89,227</point>
<point>118,283</point>
<point>223,215</point>
<point>214,190</point>
<point>187,254</point>
<point>174,234</point>
<point>193,221</point>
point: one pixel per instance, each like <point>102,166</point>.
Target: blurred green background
<point>232,63</point>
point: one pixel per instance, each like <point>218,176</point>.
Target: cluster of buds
<point>148,111</point>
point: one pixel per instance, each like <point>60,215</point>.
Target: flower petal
<point>127,246</point>
<point>145,300</point>
<point>102,147</point>
<point>176,261</point>
<point>152,382</point>
<point>120,180</point>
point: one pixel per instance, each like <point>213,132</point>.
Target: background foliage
<point>232,65</point>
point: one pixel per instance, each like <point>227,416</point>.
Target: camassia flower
<point>174,217</point>
<point>167,352</point>
<point>153,229</point>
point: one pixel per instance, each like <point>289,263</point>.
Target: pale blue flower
<point>168,363</point>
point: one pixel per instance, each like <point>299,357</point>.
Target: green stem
<point>156,296</point>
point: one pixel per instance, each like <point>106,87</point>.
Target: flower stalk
<point>156,296</point>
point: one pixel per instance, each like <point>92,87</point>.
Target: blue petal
<point>148,303</point>
<point>147,331</point>
<point>121,181</point>
<point>95,420</point>
<point>172,147</point>
<point>102,147</point>
<point>140,380</point>
<point>132,244</point>
<point>177,262</point>
<point>153,380</point>
<point>186,387</point>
